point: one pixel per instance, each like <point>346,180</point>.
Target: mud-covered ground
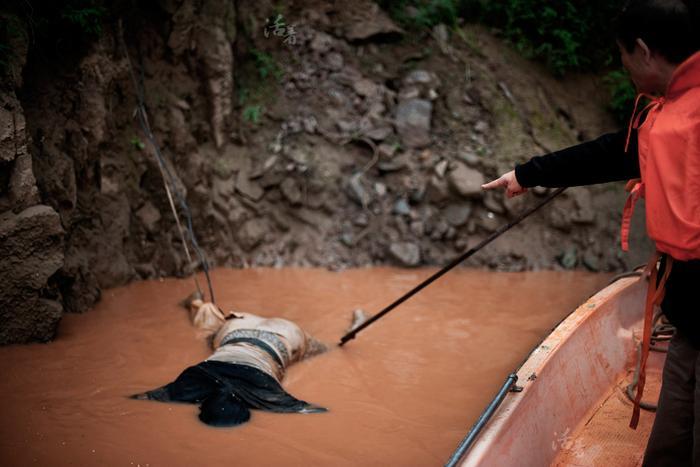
<point>332,139</point>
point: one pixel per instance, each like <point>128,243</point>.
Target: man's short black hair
<point>667,27</point>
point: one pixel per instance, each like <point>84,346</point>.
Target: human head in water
<point>654,36</point>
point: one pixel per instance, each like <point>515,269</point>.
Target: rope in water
<point>169,182</point>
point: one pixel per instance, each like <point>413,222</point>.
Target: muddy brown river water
<point>404,392</point>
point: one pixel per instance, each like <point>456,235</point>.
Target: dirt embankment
<point>334,139</point>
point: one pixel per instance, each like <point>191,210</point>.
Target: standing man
<point>659,42</point>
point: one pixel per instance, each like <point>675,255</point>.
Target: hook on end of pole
<point>345,338</point>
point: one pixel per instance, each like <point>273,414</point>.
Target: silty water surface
<point>404,392</point>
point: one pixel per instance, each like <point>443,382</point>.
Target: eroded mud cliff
<point>326,137</point>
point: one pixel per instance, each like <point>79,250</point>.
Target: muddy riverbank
<point>358,144</point>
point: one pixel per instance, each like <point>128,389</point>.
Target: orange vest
<point>669,163</point>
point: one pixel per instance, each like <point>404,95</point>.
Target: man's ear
<point>644,48</point>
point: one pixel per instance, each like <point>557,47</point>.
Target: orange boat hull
<point>570,375</point>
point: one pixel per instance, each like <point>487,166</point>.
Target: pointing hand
<point>507,181</point>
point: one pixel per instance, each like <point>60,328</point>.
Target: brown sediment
<point>403,393</point>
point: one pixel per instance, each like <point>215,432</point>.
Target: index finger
<point>494,184</point>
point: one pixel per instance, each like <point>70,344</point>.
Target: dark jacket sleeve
<point>598,161</point>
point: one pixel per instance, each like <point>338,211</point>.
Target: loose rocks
<point>466,181</point>
<point>252,233</point>
<point>413,122</point>
<point>290,189</point>
<point>406,253</point>
<point>457,214</point>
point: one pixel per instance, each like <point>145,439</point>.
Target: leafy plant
<point>566,35</point>
<point>622,94</point>
<point>252,113</point>
<point>266,65</point>
<point>87,17</point>
<point>422,14</point>
<point>137,144</point>
<point>257,84</point>
<point>50,27</point>
<point>427,14</point>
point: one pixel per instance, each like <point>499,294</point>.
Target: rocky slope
<point>329,138</point>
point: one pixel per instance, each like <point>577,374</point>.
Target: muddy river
<point>404,392</point>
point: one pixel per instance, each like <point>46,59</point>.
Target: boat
<point>567,403</point>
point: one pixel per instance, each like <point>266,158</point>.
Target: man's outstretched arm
<point>602,160</point>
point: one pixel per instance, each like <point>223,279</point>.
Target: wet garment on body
<point>227,392</point>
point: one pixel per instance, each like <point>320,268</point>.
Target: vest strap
<point>636,190</point>
<point>637,116</point>
<point>636,186</point>
<point>655,294</point>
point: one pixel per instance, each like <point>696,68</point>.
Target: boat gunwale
<point>539,361</point>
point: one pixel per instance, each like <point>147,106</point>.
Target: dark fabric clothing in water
<point>227,392</point>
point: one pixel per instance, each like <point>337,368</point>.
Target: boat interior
<point>569,406</point>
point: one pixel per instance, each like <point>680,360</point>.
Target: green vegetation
<point>417,14</point>
<point>49,26</point>
<point>266,65</point>
<point>545,33</point>
<point>622,94</point>
<point>252,113</point>
<point>137,144</point>
<point>61,21</point>
<point>256,84</point>
<point>250,98</point>
<point>87,16</point>
<point>566,35</point>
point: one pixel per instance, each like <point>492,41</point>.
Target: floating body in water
<point>251,354</point>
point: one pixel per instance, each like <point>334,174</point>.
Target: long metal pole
<point>481,422</point>
<point>351,335</point>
